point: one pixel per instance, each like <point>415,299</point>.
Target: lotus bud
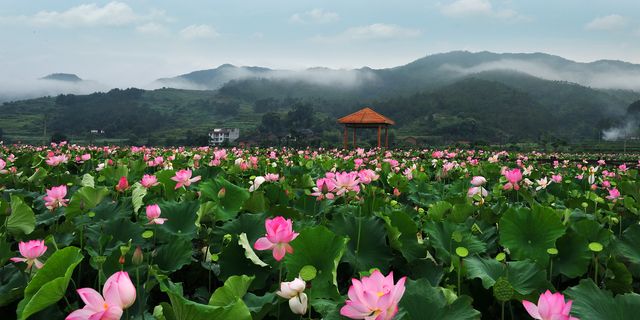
<point>138,257</point>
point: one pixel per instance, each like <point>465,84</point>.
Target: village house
<point>219,136</point>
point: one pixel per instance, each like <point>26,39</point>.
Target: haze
<point>132,43</point>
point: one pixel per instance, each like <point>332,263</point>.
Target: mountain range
<point>506,97</point>
<point>430,71</point>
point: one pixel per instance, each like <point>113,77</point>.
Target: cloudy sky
<point>130,43</point>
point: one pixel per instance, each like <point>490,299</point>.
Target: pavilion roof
<point>365,116</point>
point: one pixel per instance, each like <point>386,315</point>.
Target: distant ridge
<point>69,77</point>
<point>428,72</point>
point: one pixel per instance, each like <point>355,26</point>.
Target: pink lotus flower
<point>551,306</point>
<point>373,297</point>
<point>346,181</point>
<point>3,164</point>
<point>183,178</point>
<point>357,163</point>
<point>556,178</point>
<point>478,181</point>
<point>220,154</point>
<point>448,166</point>
<point>613,194</point>
<point>119,285</point>
<point>122,185</point>
<point>30,252</point>
<point>149,180</point>
<point>153,214</point>
<point>55,197</point>
<point>513,176</point>
<point>367,176</point>
<point>56,160</point>
<point>155,162</point>
<point>324,189</point>
<point>279,234</point>
<point>271,177</point>
<point>408,172</point>
<point>119,293</point>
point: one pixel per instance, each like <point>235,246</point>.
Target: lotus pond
<point>205,233</point>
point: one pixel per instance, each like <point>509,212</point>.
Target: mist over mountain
<point>69,77</point>
<point>49,85</point>
<point>455,96</point>
<point>428,72</point>
<point>214,79</point>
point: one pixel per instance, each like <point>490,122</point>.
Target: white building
<point>220,135</point>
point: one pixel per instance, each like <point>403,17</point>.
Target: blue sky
<point>129,43</point>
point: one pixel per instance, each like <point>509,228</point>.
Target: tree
<point>265,105</point>
<point>226,109</point>
<point>271,123</point>
<point>58,137</point>
<point>300,117</point>
<point>634,108</point>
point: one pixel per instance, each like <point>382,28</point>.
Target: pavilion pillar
<point>379,129</point>
<point>346,138</point>
<point>354,137</point>
<point>386,137</point>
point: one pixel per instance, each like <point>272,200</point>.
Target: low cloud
<point>19,89</point>
<point>342,78</point>
<point>200,31</point>
<point>627,130</point>
<point>314,16</point>
<point>327,77</point>
<point>607,23</point>
<point>604,75</point>
<point>466,8</point>
<point>376,31</point>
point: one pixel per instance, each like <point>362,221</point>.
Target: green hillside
<point>430,101</point>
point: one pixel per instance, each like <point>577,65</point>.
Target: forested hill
<point>476,108</point>
<point>437,99</point>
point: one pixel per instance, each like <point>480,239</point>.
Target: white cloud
<point>381,31</point>
<point>151,28</point>
<point>376,31</point>
<point>315,16</point>
<point>466,8</point>
<point>201,31</point>
<point>607,23</point>
<point>111,14</point>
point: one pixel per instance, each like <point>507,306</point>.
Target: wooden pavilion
<point>366,119</point>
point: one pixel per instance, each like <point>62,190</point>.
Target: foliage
<point>406,212</point>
